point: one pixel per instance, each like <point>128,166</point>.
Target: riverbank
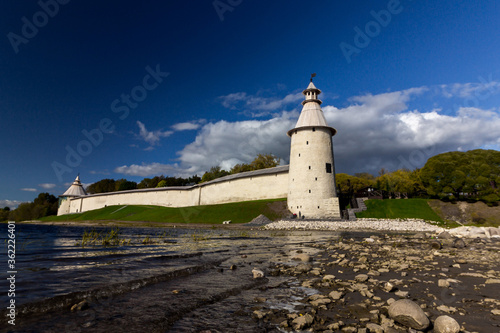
<point>320,281</point>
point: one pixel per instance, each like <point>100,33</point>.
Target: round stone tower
<point>311,179</point>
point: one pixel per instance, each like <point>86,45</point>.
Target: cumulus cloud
<point>374,131</point>
<point>381,132</point>
<point>47,186</point>
<point>29,189</point>
<point>151,137</point>
<point>12,204</point>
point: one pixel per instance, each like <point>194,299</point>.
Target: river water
<point>156,280</point>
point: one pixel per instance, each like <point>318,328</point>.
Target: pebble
<point>257,273</point>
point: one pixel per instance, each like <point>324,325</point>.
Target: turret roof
<point>75,190</point>
<point>311,115</point>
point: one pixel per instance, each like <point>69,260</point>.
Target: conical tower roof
<point>311,115</point>
<point>75,190</point>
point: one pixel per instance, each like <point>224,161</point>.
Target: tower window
<point>307,142</point>
<point>309,167</point>
<point>328,168</point>
<point>316,178</point>
<point>309,191</point>
<point>314,129</point>
<point>299,155</point>
<point>318,207</point>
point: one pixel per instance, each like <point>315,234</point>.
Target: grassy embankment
<point>400,208</point>
<point>240,212</point>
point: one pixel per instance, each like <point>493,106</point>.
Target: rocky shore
<point>392,283</point>
<point>405,276</point>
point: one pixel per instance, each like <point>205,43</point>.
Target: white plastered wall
<point>267,186</point>
<point>311,189</point>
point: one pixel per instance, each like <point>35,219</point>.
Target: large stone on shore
<point>446,324</point>
<point>408,313</point>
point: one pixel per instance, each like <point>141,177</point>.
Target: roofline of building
<point>241,175</point>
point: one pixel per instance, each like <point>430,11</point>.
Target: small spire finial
<point>312,75</point>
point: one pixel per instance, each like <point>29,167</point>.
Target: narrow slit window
<point>328,168</point>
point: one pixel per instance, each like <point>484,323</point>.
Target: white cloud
<point>47,186</point>
<point>145,170</point>
<point>480,90</point>
<point>265,105</point>
<point>12,204</point>
<point>374,131</point>
<point>151,137</point>
<point>29,189</point>
<point>194,125</point>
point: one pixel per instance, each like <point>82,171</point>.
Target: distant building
<point>308,182</point>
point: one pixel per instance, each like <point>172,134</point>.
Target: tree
<point>124,185</point>
<point>455,175</point>
<point>150,182</point>
<point>264,162</point>
<point>365,175</point>
<point>4,214</point>
<point>399,184</point>
<point>213,173</point>
<point>346,183</point>
<point>260,162</point>
<point>102,186</point>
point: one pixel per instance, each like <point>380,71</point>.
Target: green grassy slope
<point>400,208</point>
<point>240,212</point>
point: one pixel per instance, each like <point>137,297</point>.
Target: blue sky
<point>175,87</point>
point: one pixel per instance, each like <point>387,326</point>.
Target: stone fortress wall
<point>263,184</point>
